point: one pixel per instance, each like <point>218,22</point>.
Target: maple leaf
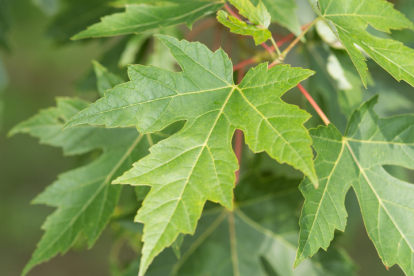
<point>197,163</point>
<point>349,21</point>
<point>84,197</point>
<point>357,160</point>
<point>139,18</point>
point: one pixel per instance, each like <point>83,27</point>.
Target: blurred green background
<point>38,71</point>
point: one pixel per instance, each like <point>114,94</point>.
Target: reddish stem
<point>269,49</point>
<point>238,143</point>
<point>314,104</point>
<point>238,150</point>
<point>284,40</point>
<point>217,37</point>
<point>227,7</point>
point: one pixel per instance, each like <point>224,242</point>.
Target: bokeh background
<point>38,70</point>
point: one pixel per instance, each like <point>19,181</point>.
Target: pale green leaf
<point>105,79</point>
<point>357,160</point>
<point>141,18</point>
<point>349,21</point>
<point>197,163</point>
<point>236,26</point>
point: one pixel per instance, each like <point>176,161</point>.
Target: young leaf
<point>105,79</point>
<point>357,160</point>
<point>349,20</point>
<point>236,26</point>
<point>257,15</point>
<point>197,163</point>
<point>84,197</point>
<point>141,18</point>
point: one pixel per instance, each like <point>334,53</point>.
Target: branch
<point>245,63</point>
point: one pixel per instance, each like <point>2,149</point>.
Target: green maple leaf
<point>236,26</point>
<point>349,21</point>
<point>356,160</point>
<point>197,163</point>
<point>84,197</point>
<point>142,17</point>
